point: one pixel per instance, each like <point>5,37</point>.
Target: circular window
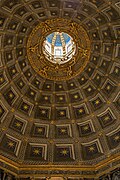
<point>59,47</point>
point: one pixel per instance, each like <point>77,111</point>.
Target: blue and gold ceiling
<point>58,41</point>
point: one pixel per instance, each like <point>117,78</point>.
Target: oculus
<point>58,49</point>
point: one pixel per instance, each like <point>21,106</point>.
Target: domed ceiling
<point>67,126</point>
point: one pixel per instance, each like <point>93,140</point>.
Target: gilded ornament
<point>56,71</point>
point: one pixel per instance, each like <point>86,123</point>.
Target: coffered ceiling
<point>67,123</point>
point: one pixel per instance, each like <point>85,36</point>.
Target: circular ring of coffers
<point>53,71</point>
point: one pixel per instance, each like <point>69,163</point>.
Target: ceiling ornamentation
<point>69,120</point>
<point>56,71</point>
